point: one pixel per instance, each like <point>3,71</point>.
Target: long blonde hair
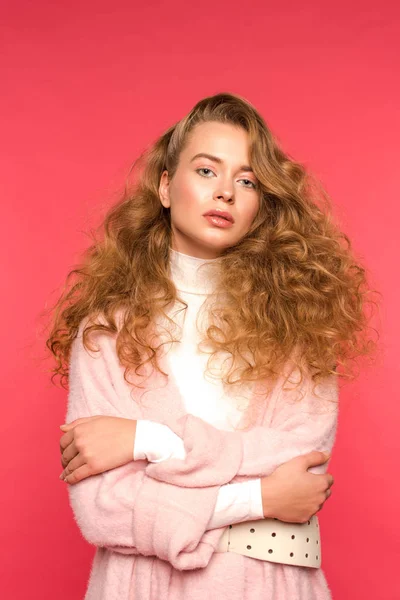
<point>291,283</point>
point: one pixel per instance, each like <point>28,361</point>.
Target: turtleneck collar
<point>192,274</point>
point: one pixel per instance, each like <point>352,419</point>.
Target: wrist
<point>131,436</point>
<point>267,498</point>
<point>134,430</point>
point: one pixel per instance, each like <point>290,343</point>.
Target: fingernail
<point>62,426</point>
<point>61,476</point>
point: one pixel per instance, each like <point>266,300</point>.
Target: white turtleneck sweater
<point>202,397</point>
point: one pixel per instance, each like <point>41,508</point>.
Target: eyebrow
<point>219,161</point>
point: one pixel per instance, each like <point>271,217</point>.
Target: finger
<point>328,493</point>
<point>70,452</point>
<point>314,458</point>
<point>63,462</point>
<point>66,439</point>
<point>329,479</point>
<point>82,473</point>
<point>72,424</point>
<point>74,464</point>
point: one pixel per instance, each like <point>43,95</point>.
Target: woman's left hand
<point>92,445</point>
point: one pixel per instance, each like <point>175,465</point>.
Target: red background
<point>85,87</point>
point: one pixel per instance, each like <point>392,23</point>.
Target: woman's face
<point>221,181</point>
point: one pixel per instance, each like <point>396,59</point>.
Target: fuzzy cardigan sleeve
<point>163,509</point>
<point>124,509</point>
<point>304,420</point>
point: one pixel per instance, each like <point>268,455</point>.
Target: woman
<point>196,463</point>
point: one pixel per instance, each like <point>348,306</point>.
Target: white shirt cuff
<point>156,442</point>
<point>238,502</point>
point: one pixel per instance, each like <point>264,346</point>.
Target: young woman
<point>201,340</point>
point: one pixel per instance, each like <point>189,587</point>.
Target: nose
<point>226,194</point>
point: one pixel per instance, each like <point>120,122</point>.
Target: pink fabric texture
<point>149,520</point>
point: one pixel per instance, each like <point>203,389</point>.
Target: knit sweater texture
<point>149,520</point>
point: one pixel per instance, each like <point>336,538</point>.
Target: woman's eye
<point>252,184</point>
<point>205,173</point>
<point>204,169</point>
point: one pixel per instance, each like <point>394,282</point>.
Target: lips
<point>220,213</point>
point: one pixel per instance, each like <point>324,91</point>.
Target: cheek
<point>186,192</point>
<point>191,200</point>
<point>250,212</point>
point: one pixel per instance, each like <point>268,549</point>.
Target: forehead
<point>221,139</point>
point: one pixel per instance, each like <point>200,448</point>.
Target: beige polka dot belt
<point>275,541</point>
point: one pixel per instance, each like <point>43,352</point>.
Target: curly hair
<point>292,285</point>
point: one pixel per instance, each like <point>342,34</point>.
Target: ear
<point>163,190</point>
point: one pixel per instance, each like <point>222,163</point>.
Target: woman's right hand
<point>291,493</point>
<point>93,445</point>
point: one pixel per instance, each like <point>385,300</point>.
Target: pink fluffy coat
<point>149,520</point>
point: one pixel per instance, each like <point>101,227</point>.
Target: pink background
<point>85,87</point>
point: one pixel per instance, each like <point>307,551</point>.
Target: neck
<point>192,274</point>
